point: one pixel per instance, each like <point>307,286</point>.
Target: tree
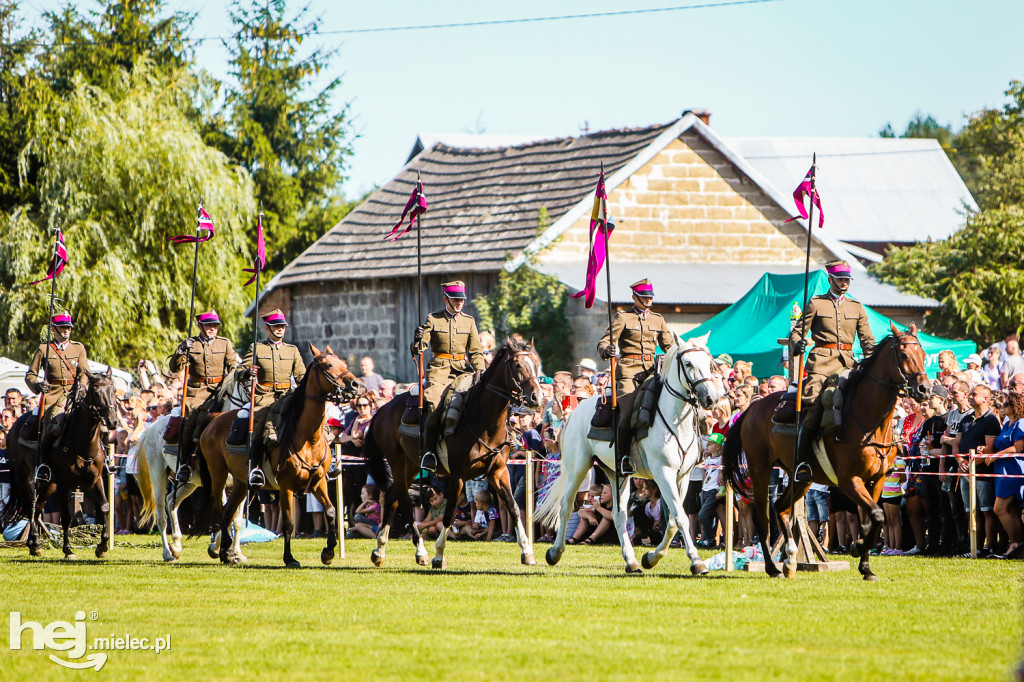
<point>923,127</point>
<point>295,149</point>
<point>17,104</point>
<point>120,176</point>
<point>990,152</point>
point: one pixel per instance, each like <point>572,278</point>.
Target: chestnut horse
<point>76,460</point>
<point>859,454</point>
<point>299,463</point>
<point>479,446</point>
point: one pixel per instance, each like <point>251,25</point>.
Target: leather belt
<point>62,382</point>
<point>835,346</point>
<point>450,356</point>
<point>209,381</point>
<point>637,356</point>
<point>283,386</point>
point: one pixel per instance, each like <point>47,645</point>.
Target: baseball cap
<point>940,390</point>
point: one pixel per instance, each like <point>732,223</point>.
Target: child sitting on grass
<point>367,516</point>
<point>485,517</point>
<point>595,520</point>
<point>433,525</point>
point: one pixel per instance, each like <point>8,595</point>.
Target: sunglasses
<point>362,404</point>
<point>153,407</point>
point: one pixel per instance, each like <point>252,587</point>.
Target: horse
<point>299,462</point>
<point>478,446</point>
<point>666,454</point>
<point>76,461</point>
<point>154,463</point>
<point>858,455</point>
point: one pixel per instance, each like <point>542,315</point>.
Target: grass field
<point>488,618</point>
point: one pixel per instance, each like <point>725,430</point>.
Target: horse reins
<point>899,389</point>
<point>689,400</point>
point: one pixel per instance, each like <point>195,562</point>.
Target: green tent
<point>749,328</point>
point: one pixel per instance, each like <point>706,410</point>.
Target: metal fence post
<point>339,520</point>
<point>973,499</point>
<point>529,495</point>
<point>730,510</point>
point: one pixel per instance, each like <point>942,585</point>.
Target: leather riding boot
<point>802,468</point>
<point>430,428</point>
<point>623,462</point>
<point>257,479</point>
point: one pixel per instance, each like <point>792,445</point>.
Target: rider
<point>210,358</point>
<point>634,337</point>
<point>834,321</point>
<point>454,343</point>
<point>276,364</point>
<point>64,361</point>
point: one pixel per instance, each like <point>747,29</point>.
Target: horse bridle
<point>338,394</point>
<point>516,394</point>
<point>686,380</point>
<point>899,387</point>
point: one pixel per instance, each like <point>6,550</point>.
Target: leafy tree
<point>120,176</point>
<point>295,149</point>
<point>990,152</point>
<point>17,104</point>
<point>923,127</point>
<point>977,274</point>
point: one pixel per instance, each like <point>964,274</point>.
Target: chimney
<point>703,114</point>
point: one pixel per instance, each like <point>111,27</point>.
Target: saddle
<point>636,411</point>
<point>832,400</point>
<point>450,410</point>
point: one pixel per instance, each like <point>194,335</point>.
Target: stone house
<point>703,216</point>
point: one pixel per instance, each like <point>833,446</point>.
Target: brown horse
<point>76,460</point>
<point>479,446</point>
<point>299,463</point>
<point>860,453</point>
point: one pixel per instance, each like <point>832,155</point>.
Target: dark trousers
<point>956,504</point>
<point>930,490</point>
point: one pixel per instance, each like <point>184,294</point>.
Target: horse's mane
<point>861,368</point>
<point>291,407</point>
<point>500,357</point>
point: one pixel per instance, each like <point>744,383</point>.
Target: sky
<point>836,68</point>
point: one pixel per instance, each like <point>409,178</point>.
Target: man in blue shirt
<point>973,430</point>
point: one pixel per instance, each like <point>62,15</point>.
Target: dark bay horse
<point>860,453</point>
<point>76,460</point>
<point>479,446</point>
<point>299,463</point>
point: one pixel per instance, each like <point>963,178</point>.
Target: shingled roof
<point>482,206</point>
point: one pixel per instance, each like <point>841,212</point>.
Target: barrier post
<point>110,498</point>
<point>972,496</point>
<point>529,495</point>
<point>730,510</point>
<point>339,516</point>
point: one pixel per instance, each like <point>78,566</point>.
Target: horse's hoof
<point>35,551</point>
<point>101,552</point>
<point>292,564</point>
<point>176,553</point>
<point>870,576</point>
<point>528,559</point>
<point>225,558</point>
<point>421,559</point>
<point>439,564</point>
<point>377,558</point>
<point>776,574</point>
<point>71,556</point>
<point>789,571</point>
<point>170,558</point>
<point>551,556</point>
<point>634,569</point>
<point>326,557</point>
<point>699,568</point>
<point>212,551</point>
<point>647,560</point>
<point>239,559</point>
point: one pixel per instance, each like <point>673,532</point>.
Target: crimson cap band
<point>643,287</point>
<point>456,289</point>
<point>61,320</point>
<point>838,268</point>
<point>275,317</point>
<point>209,317</point>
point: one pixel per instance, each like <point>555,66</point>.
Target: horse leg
<point>500,480</point>
<point>872,518</point>
<point>230,548</point>
<point>673,492</point>
<point>387,511</point>
<point>454,491</point>
<point>785,509</point>
<point>620,499</point>
<point>173,501</point>
<point>759,482</point>
<point>331,516</point>
<point>35,523</point>
<point>287,500</point>
<point>99,498</point>
<point>405,504</point>
<point>65,520</point>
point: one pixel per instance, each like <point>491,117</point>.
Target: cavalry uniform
<point>59,365</point>
<point>637,334</point>
<point>209,361</point>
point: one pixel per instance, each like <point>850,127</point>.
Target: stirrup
<point>803,473</point>
<point>184,474</point>
<point>257,479</point>
<point>429,462</point>
<point>626,467</point>
<point>43,474</point>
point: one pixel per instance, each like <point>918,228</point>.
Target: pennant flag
<point>60,259</point>
<point>803,190</point>
<point>416,205</point>
<point>205,224</point>
<point>600,230</point>
<point>260,261</point>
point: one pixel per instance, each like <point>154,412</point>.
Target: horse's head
<point>100,399</point>
<point>909,362</point>
<point>524,366</point>
<point>332,379</point>
<point>688,372</point>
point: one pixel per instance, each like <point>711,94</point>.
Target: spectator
<point>586,370</point>
<point>721,413</point>
<point>711,507</point>
<point>992,370</point>
<point>975,427</point>
<point>600,382</point>
<point>485,517</point>
<point>1008,491</point>
<point>892,497</point>
<point>387,389</point>
<point>1013,363</point>
<point>648,514</point>
<point>1016,384</point>
<point>817,512</point>
<point>14,400</point>
<point>595,518</point>
<point>959,410</point>
<point>7,418</point>
<point>371,380</point>
<point>938,522</point>
<point>488,344</point>
<point>433,526</point>
<point>352,439</point>
<point>947,363</point>
<point>5,471</point>
<point>582,388</point>
<point>777,383</point>
<point>366,519</point>
<point>741,370</point>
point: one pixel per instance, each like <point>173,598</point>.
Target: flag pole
<point>608,307</point>
<point>252,375</point>
<point>419,307</point>
<point>803,333</point>
<point>184,376</point>
<point>46,364</point>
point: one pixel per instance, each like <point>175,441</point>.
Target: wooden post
<point>339,516</point>
<point>110,498</point>
<point>730,510</point>
<point>529,495</point>
<point>972,481</point>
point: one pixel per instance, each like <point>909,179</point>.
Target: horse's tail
<point>380,467</point>
<point>203,519</point>
<point>145,482</point>
<point>732,451</point>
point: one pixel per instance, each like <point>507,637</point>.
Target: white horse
<point>154,465</point>
<point>666,455</point>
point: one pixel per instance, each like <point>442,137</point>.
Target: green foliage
<point>120,176</point>
<point>977,274</point>
<point>533,305</point>
<point>295,149</point>
<point>990,152</point>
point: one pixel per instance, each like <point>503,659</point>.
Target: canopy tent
<point>749,329</point>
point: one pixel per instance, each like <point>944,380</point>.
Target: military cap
<point>838,268</point>
<point>456,289</point>
<point>209,317</point>
<point>61,320</point>
<point>275,317</point>
<point>643,287</point>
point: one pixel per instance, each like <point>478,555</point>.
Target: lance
<point>419,307</point>
<point>191,317</point>
<point>608,306</point>
<point>803,332</point>
<point>257,266</point>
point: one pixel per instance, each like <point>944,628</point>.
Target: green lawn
<point>490,618</point>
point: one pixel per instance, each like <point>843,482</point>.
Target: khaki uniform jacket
<point>208,364</point>
<point>635,334</point>
<point>830,322</point>
<point>451,335</point>
<point>276,365</point>
<point>59,375</point>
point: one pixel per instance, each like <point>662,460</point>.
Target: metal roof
<point>716,284</point>
<point>872,189</point>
